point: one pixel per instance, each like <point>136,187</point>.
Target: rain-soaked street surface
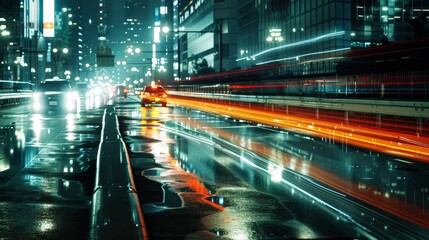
<point>201,176</point>
<point>47,172</point>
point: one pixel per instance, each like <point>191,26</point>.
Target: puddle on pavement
<point>135,140</point>
<point>139,164</point>
<point>73,190</point>
<point>88,144</point>
<point>218,232</point>
<point>140,148</point>
<point>153,172</point>
<point>170,199</point>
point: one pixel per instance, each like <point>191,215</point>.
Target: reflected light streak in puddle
<point>70,127</point>
<point>275,172</point>
<point>37,127</point>
<point>190,180</point>
<point>45,222</point>
<point>46,225</point>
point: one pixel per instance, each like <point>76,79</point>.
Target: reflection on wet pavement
<point>324,185</point>
<point>337,165</point>
<point>46,174</point>
<point>211,190</point>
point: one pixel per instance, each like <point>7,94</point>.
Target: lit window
<point>163,10</point>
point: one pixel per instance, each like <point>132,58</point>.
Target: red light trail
<point>397,144</point>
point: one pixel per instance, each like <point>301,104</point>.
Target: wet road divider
<point>116,211</point>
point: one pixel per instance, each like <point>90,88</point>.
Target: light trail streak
<point>304,55</point>
<point>16,82</point>
<point>261,149</point>
<point>396,206</point>
<point>289,45</point>
<point>369,138</point>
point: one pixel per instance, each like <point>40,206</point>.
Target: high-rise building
<point>85,19</point>
<point>21,42</point>
<point>132,40</point>
<point>207,32</point>
<point>312,36</point>
<point>124,30</point>
<point>163,67</point>
<point>71,35</point>
<point>9,40</point>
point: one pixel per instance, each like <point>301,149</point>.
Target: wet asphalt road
<point>188,192</point>
<point>47,172</point>
<point>197,178</point>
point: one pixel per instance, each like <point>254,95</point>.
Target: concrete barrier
<point>116,211</point>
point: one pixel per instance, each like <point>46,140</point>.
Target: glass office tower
<point>312,36</point>
<point>207,39</point>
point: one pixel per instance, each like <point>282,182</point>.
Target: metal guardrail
<point>116,211</point>
<point>14,98</point>
<point>388,107</point>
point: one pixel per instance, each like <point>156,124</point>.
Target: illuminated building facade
<point>207,36</point>
<point>163,58</point>
<point>128,29</point>
<point>70,35</point>
<point>39,40</point>
<point>9,39</point>
<point>20,30</point>
<point>311,36</point>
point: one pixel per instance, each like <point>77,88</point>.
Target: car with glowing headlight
<point>121,91</point>
<point>54,95</point>
<point>153,95</point>
<point>82,88</point>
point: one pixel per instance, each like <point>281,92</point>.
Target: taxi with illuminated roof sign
<point>153,95</point>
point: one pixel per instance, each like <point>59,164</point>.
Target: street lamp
<point>165,29</point>
<point>131,50</point>
<point>3,28</point>
<point>5,33</point>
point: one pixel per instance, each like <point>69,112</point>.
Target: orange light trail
<point>375,139</point>
<point>394,205</point>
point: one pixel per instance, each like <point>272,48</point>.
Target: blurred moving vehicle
<point>120,91</point>
<point>82,88</point>
<point>54,95</point>
<point>153,94</point>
